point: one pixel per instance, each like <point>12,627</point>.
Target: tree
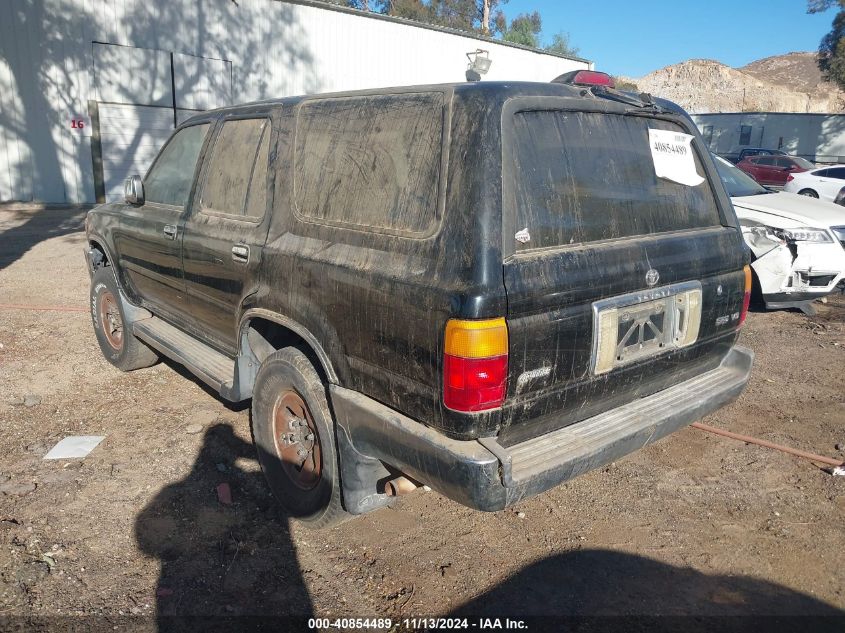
<point>820,6</point>
<point>485,12</point>
<point>831,55</point>
<point>524,29</point>
<point>562,45</point>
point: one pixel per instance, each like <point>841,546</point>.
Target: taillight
<point>746,298</point>
<point>475,364</point>
<point>790,178</point>
<point>585,78</point>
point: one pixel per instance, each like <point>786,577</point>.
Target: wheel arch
<point>262,332</point>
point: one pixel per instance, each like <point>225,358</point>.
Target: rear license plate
<point>644,324</point>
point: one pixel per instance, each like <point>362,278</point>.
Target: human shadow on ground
<point>220,561</point>
<point>609,591</point>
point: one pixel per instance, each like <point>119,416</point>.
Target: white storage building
<point>820,138</point>
<point>90,89</point>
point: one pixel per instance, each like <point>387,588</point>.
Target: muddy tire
<point>809,193</point>
<point>117,342</point>
<point>294,434</point>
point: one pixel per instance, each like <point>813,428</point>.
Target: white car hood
<point>799,210</point>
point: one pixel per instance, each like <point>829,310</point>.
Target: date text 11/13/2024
<point>417,624</point>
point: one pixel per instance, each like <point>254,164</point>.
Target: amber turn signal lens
<point>476,339</point>
<point>746,298</point>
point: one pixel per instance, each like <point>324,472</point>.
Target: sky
<point>633,38</point>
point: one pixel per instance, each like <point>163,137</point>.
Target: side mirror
<point>133,190</point>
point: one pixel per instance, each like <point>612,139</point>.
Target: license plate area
<point>643,324</point>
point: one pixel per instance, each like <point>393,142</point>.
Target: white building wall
<point>273,49</point>
<point>816,137</point>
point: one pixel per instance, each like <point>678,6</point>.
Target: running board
<point>213,368</point>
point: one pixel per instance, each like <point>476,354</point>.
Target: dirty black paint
<point>376,299</point>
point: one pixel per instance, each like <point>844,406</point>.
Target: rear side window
<point>837,172</point>
<point>583,176</point>
<point>766,161</point>
<point>370,163</point>
<point>170,178</point>
<point>235,180</point>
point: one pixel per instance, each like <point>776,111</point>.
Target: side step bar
<point>213,368</point>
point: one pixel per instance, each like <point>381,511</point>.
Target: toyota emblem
<point>652,277</point>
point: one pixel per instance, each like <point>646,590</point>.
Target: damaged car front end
<point>794,266</point>
<point>797,254</point>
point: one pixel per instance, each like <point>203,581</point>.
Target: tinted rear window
<point>585,176</point>
<point>370,162</point>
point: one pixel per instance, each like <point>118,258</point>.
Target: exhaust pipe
<point>400,486</point>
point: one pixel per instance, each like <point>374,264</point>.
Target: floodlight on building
<point>479,64</point>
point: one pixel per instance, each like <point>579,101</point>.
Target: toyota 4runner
<point>488,288</point>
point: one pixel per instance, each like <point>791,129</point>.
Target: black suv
<point>483,287</point>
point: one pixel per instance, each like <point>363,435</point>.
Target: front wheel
<point>117,342</point>
<point>809,193</point>
<point>293,430</point>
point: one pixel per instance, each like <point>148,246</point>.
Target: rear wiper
<point>641,102</point>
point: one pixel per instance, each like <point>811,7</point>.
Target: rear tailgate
<point>620,283</point>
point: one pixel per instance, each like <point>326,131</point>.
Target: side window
<point>822,173</point>
<point>765,161</point>
<point>838,173</point>
<point>370,163</point>
<point>745,135</point>
<point>169,180</point>
<point>232,166</point>
<point>784,162</point>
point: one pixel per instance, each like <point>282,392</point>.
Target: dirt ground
<point>694,524</point>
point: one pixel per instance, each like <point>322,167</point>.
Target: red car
<point>773,170</point>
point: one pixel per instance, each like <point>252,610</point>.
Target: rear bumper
<point>484,475</point>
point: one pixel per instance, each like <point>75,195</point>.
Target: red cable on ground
<point>778,447</point>
<point>17,306</point>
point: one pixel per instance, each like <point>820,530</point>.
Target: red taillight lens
<point>593,78</point>
<point>790,178</point>
<point>746,298</point>
<point>474,384</point>
<point>475,364</point>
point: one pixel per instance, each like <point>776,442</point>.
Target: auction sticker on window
<point>673,157</point>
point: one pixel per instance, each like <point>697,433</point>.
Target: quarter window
<point>236,177</point>
<point>169,179</point>
<point>371,163</point>
<point>837,172</point>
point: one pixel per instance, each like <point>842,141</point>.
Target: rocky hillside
<point>784,83</point>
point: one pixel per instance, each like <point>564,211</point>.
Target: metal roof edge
<point>431,27</point>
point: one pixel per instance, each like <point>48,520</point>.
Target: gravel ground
<point>694,524</point>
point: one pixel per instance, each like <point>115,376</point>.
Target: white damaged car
<point>797,242</point>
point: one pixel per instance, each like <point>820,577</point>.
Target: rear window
<point>584,176</point>
<point>370,163</point>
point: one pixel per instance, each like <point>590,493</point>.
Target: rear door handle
<point>170,231</point>
<point>240,253</point>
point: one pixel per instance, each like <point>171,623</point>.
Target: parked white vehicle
<point>798,243</point>
<point>823,183</point>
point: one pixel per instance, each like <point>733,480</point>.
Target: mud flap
<point>359,476</point>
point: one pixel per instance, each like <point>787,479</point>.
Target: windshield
<point>803,163</point>
<point>736,181</point>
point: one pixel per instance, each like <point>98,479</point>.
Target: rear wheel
<point>294,434</point>
<point>117,342</point>
<point>808,192</point>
